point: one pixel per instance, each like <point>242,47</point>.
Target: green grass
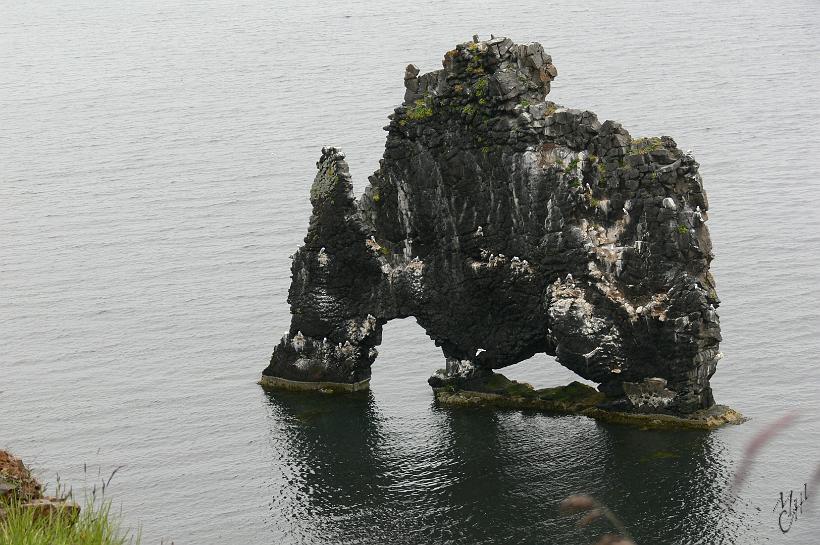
<point>475,66</point>
<point>421,109</point>
<point>645,145</point>
<point>682,229</point>
<point>481,87</point>
<point>572,166</point>
<point>95,525</point>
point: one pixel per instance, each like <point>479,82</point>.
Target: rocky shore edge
<point>497,391</point>
<point>18,486</point>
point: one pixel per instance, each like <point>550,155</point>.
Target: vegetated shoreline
<point>28,515</point>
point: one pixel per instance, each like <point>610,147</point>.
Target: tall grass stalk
<point>95,525</point>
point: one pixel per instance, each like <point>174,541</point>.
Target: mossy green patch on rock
<point>323,185</point>
<point>645,145</point>
<point>574,395</point>
<point>421,109</point>
<point>499,391</point>
<point>575,398</point>
<point>469,109</point>
<point>499,384</point>
<point>705,419</point>
<point>481,87</point>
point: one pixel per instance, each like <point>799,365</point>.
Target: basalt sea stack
<point>508,225</point>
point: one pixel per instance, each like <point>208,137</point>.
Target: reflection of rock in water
<point>479,476</point>
<point>669,486</point>
<point>332,469</point>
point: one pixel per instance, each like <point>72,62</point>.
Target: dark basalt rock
<point>509,226</point>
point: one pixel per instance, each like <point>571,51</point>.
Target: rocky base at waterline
<point>276,383</point>
<point>575,398</point>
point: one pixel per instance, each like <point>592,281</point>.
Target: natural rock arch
<point>510,226</point>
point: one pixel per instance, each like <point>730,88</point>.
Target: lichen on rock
<point>508,226</point>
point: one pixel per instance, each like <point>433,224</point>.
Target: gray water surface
<point>155,161</point>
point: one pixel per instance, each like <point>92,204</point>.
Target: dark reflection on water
<point>352,475</point>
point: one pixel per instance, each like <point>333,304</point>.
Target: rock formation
<point>508,226</point>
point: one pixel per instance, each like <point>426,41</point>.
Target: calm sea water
<point>155,160</point>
